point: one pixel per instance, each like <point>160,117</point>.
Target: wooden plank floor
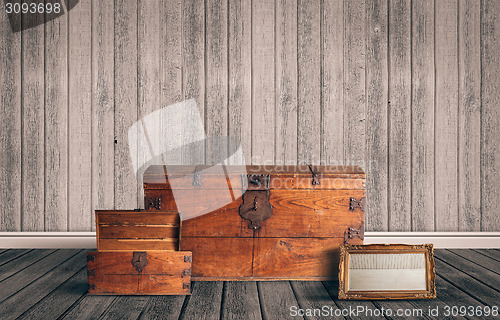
<point>52,284</point>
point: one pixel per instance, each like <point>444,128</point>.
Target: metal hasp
<point>152,203</point>
<point>361,203</point>
<point>256,207</point>
<point>139,260</point>
<point>255,181</point>
<point>196,177</point>
<point>352,233</point>
<point>315,180</point>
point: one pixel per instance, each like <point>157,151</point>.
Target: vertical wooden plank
<point>399,116</point>
<point>240,75</point>
<point>170,62</point>
<point>469,116</point>
<point>332,94</point>
<point>354,82</point>
<point>193,67</point>
<point>80,116</point>
<point>56,124</point>
<point>446,116</point>
<point>10,126</point>
<point>490,116</point>
<point>376,115</point>
<point>125,75</point>
<point>103,147</point>
<point>240,300</point>
<point>309,82</point>
<point>286,82</point>
<point>148,79</point>
<point>263,82</point>
<point>216,78</point>
<point>422,115</point>
<point>33,125</point>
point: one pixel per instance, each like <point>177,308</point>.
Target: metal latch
<point>352,233</point>
<point>353,204</point>
<point>315,180</point>
<point>196,177</point>
<point>139,260</point>
<point>188,259</point>
<point>255,207</point>
<point>255,181</point>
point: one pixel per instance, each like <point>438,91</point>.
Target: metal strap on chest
<point>315,179</point>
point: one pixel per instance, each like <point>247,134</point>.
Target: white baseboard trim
<point>87,240</point>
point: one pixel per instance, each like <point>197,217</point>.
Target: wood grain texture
<point>58,301</point>
<point>170,46</point>
<point>276,298</point>
<point>422,116</point>
<point>10,127</point>
<point>286,82</point>
<point>220,257</point>
<point>332,82</point>
<point>163,307</point>
<point>469,116</point>
<point>490,115</point>
<point>90,307</point>
<point>33,125</point>
<point>216,77</point>
<point>399,181</point>
<point>263,82</point>
<point>80,117</point>
<point>240,301</point>
<point>103,95</point>
<point>446,209</point>
<point>23,299</point>
<point>311,295</point>
<point>354,82</point>
<point>125,75</point>
<point>8,269</point>
<point>126,308</point>
<point>205,302</point>
<point>309,82</point>
<point>148,84</point>
<point>240,76</point>
<point>376,164</point>
<point>278,257</point>
<point>56,124</point>
<point>193,67</point>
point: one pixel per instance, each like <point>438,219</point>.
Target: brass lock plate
<point>256,207</point>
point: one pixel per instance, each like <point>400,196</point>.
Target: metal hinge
<point>92,286</point>
<point>91,272</point>
<point>353,204</point>
<point>186,273</point>
<point>150,203</point>
<point>90,258</point>
<point>186,285</point>
<point>352,233</point>
<point>188,259</point>
<point>315,180</point>
<point>196,177</point>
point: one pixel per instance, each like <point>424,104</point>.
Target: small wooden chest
<point>262,222</point>
<point>137,230</point>
<point>139,272</point>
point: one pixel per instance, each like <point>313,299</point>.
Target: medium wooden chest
<point>139,272</point>
<point>262,222</point>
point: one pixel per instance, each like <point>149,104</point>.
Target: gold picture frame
<point>422,285</point>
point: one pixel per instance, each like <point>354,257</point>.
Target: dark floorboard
<point>52,284</point>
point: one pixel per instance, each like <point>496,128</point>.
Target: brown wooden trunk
<point>308,211</point>
<point>139,272</point>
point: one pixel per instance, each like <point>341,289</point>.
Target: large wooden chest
<point>262,222</point>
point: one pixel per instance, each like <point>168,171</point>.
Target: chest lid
<point>255,177</point>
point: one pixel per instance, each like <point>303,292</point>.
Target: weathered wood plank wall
<point>408,89</point>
